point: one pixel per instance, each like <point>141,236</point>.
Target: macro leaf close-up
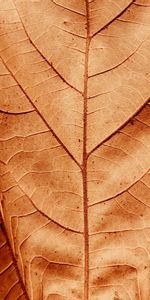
<point>74,150</point>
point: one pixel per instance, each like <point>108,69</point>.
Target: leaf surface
<point>74,92</point>
<point>9,278</point>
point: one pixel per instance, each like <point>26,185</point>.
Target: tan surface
<point>75,149</point>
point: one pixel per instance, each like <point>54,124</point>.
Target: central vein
<point>84,170</point>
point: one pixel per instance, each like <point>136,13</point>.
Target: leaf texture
<point>74,150</point>
<point>9,278</point>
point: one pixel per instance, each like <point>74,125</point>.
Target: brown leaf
<point>74,92</point>
<point>10,287</point>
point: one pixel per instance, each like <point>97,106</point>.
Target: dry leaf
<point>74,92</point>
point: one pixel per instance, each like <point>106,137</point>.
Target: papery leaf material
<point>74,92</point>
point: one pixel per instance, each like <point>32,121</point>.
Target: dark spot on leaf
<point>132,122</point>
<point>106,27</point>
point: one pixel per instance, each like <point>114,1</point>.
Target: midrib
<point>84,165</point>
